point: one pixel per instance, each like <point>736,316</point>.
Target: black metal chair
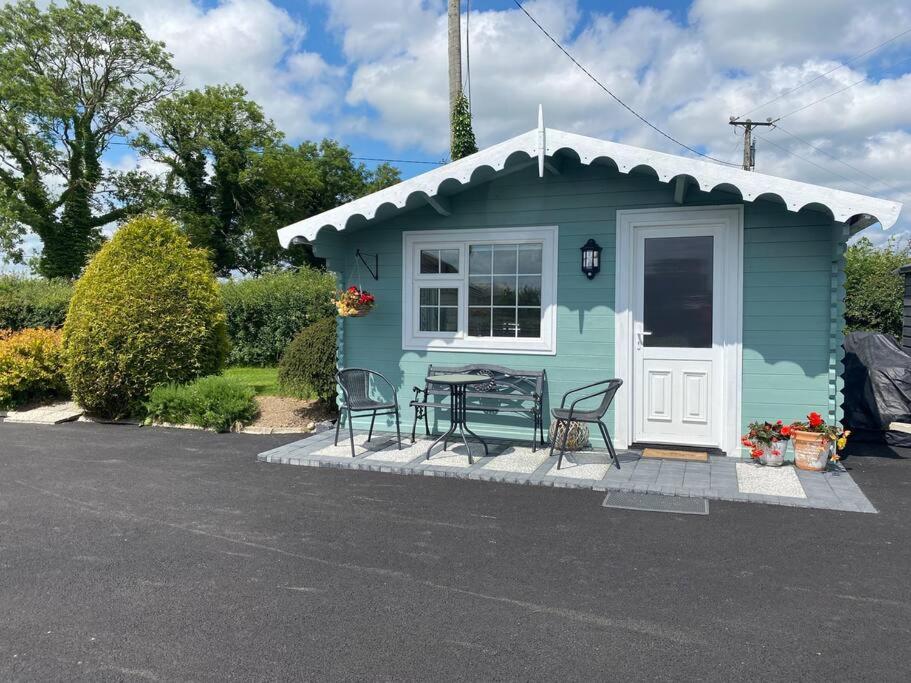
<point>567,416</point>
<point>357,398</point>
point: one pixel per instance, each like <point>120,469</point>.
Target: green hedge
<point>32,302</point>
<point>265,313</point>
<point>209,402</point>
<point>307,366</point>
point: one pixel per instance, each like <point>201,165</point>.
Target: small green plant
<point>307,367</point>
<point>31,367</point>
<point>212,402</point>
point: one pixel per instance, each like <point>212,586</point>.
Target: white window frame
<point>415,340</point>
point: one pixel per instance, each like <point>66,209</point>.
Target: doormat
<point>655,502</point>
<point>669,454</point>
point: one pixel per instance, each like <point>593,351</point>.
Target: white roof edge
<point>707,175</point>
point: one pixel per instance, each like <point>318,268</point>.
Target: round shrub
<point>31,366</point>
<point>146,312</point>
<point>209,402</point>
<point>264,313</point>
<point>307,367</point>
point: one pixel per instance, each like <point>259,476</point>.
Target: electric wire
<point>615,97</point>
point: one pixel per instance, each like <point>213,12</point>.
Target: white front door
<point>677,349</point>
<point>678,326</point>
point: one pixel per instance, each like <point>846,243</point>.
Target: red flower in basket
<point>353,302</point>
<point>785,430</point>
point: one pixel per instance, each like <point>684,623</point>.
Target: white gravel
<point>518,459</point>
<point>770,481</point>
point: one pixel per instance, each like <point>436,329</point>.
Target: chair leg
<point>426,423</point>
<point>398,430</point>
<point>541,423</point>
<point>609,443</point>
<point>372,420</point>
<point>563,445</point>
<point>414,427</point>
<point>351,432</point>
<point>338,424</point>
<point>534,432</point>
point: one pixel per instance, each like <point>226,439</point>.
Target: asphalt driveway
<point>153,554</point>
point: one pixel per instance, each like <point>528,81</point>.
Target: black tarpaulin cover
<point>877,377</point>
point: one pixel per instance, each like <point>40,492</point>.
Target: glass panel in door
<point>677,292</point>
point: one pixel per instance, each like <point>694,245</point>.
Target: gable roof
<point>542,143</point>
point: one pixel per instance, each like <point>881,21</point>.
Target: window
<point>480,290</point>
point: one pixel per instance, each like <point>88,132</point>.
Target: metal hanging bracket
<point>375,270</point>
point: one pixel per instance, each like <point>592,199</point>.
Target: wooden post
<point>455,62</point>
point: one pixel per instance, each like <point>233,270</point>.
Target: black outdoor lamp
<point>591,259</point>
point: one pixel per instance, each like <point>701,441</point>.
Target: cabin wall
<point>791,270</point>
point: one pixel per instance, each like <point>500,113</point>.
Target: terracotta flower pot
<point>811,450</point>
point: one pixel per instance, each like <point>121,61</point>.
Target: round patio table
<point>458,414</point>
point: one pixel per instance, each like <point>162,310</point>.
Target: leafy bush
<point>308,365</point>
<point>32,302</point>
<point>146,312</point>
<point>873,292</point>
<point>31,366</point>
<point>210,402</point>
<point>265,313</point>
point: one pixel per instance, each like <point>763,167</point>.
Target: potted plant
<point>767,442</point>
<point>353,302</point>
<point>816,442</point>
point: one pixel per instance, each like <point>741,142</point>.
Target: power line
<point>617,99</point>
<point>833,94</point>
<point>388,161</point>
<point>832,70</point>
<point>812,163</point>
<point>831,156</point>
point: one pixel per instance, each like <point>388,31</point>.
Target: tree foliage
<point>232,180</point>
<point>463,141</point>
<point>73,78</point>
<point>873,292</point>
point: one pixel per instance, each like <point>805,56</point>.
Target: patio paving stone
<point>515,463</point>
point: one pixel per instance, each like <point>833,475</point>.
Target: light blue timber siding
<point>792,265</point>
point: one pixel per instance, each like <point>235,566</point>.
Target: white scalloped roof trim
<point>751,185</point>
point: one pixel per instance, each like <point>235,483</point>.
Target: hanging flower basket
<point>353,302</point>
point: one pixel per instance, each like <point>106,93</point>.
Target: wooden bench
<point>499,390</point>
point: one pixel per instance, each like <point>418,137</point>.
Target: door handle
<point>642,334</point>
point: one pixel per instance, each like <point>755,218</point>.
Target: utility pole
<point>455,61</point>
<point>749,145</point>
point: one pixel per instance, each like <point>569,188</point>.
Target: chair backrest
<point>355,384</point>
<point>609,392</point>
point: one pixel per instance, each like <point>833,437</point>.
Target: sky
<point>373,75</point>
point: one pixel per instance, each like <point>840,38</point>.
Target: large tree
<point>73,80</point>
<point>232,181</point>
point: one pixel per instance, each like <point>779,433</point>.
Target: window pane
<point>479,291</point>
<point>677,298</point>
<point>529,322</point>
<point>504,322</point>
<point>429,319</point>
<point>449,261</point>
<point>479,259</point>
<point>504,290</point>
<point>504,259</point>
<point>449,297</point>
<point>430,296</point>
<point>530,259</point>
<point>479,322</point>
<point>529,291</point>
<point>449,319</point>
<point>430,260</point>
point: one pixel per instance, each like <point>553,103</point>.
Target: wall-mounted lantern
<point>591,259</point>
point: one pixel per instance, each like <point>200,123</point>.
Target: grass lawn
<point>263,380</point>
